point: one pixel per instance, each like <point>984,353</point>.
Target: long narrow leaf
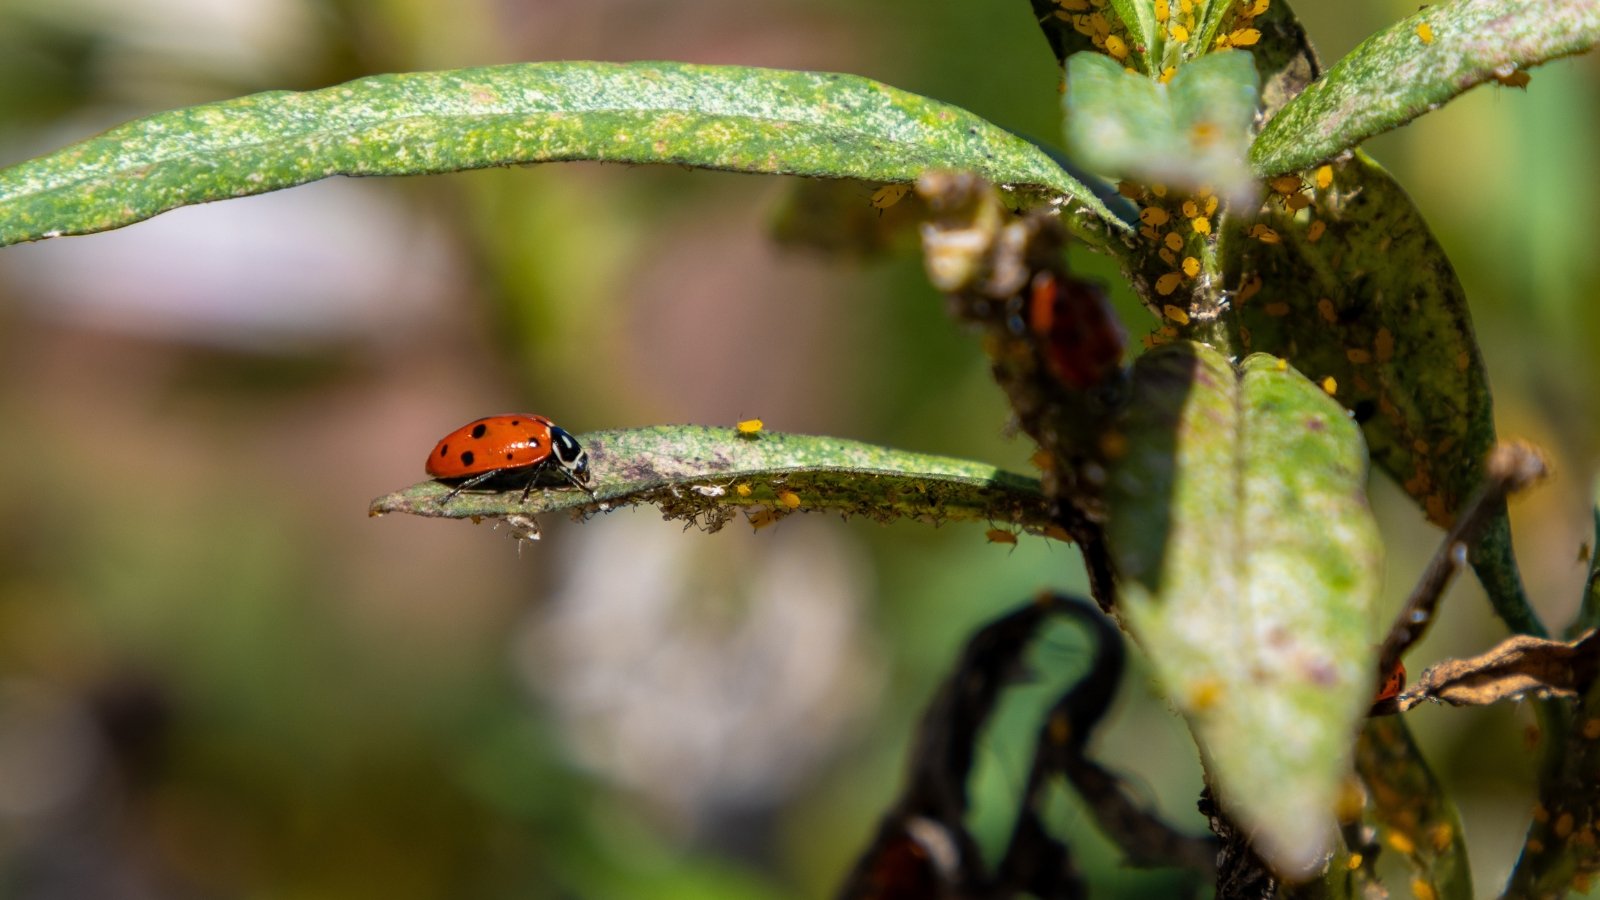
<point>707,475</point>
<point>1250,566</point>
<point>718,117</point>
<point>1415,65</point>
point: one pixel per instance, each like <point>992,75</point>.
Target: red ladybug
<point>507,448</point>
<point>1074,321</point>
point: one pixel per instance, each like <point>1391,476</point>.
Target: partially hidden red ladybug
<point>1393,683</point>
<point>507,450</point>
<point>1074,321</point>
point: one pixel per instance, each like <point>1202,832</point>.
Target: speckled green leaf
<point>1374,304</point>
<point>720,117</point>
<point>1190,132</point>
<point>1395,76</point>
<point>1249,566</point>
<point>695,473</point>
<point>1414,816</point>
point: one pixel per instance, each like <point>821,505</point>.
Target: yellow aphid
<point>1425,32</point>
<point>1244,37</point>
<point>1283,365</point>
<point>1331,385</point>
<point>1354,862</point>
<point>1176,314</point>
<point>1191,209</point>
<point>1168,283</point>
<point>789,499</point>
<point>1178,33</point>
<point>1163,11</point>
<point>1422,890</point>
<point>1186,6</point>
<point>762,518</point>
<point>1204,693</point>
<point>1191,266</point>
<point>1130,190</point>
<point>1264,234</point>
<point>742,490</point>
<point>1324,177</point>
<point>1211,205</point>
<point>1174,241</point>
<point>1167,256</point>
<point>1314,233</point>
<point>750,427</point>
<point>1296,202</point>
<point>1167,73</point>
<point>1117,47</point>
<point>1250,288</point>
<point>1258,8</point>
<point>1150,234</point>
<point>1222,42</point>
<point>1130,70</point>
<point>1001,536</point>
<point>1284,184</point>
<point>889,195</point>
<point>1201,225</point>
<point>1160,190</point>
<point>1154,216</point>
<point>1167,331</point>
<point>1326,310</point>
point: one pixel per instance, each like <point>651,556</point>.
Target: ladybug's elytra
<point>506,448</point>
<point>1080,333</point>
<point>1393,683</point>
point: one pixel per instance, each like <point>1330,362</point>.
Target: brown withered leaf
<point>1518,666</point>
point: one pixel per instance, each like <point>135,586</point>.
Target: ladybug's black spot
<point>444,449</point>
<point>515,422</point>
<point>509,455</point>
<point>466,457</point>
<point>479,430</point>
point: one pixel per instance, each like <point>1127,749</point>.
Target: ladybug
<point>1073,321</point>
<point>507,448</point>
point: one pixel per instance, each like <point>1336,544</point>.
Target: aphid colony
<point>1176,27</point>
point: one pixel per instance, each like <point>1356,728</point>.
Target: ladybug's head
<point>569,454</point>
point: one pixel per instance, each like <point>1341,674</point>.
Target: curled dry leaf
<point>1519,666</point>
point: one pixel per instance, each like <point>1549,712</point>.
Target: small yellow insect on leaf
<point>1422,890</point>
<point>1354,862</point>
<point>1168,257</point>
<point>1330,385</point>
<point>1425,32</point>
<point>1264,234</point>
<point>889,195</point>
<point>762,518</point>
<point>1190,209</point>
<point>1178,33</point>
<point>1324,177</point>
<point>1176,314</point>
<point>1249,288</point>
<point>1130,189</point>
<point>1117,47</point>
<point>1510,76</point>
<point>1202,225</point>
<point>1244,37</point>
<point>1258,8</point>
<point>1160,190</point>
<point>750,427</point>
<point>1174,241</point>
<point>1191,266</point>
<point>742,490</point>
<point>1314,233</point>
<point>1167,73</point>
<point>1296,202</point>
<point>1168,283</point>
<point>1283,365</point>
<point>789,499</point>
<point>1163,12</point>
<point>1001,536</point>
<point>1284,184</point>
<point>1154,216</point>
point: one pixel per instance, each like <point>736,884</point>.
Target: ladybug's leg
<point>472,482</point>
<point>573,480</point>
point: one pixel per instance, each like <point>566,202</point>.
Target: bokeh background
<point>219,678</point>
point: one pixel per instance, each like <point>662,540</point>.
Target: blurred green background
<point>219,678</point>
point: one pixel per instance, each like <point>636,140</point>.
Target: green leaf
<point>1190,132</point>
<point>1395,75</point>
<point>1250,564</point>
<point>1373,303</point>
<point>695,474</point>
<point>718,117</point>
<point>1407,800</point>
